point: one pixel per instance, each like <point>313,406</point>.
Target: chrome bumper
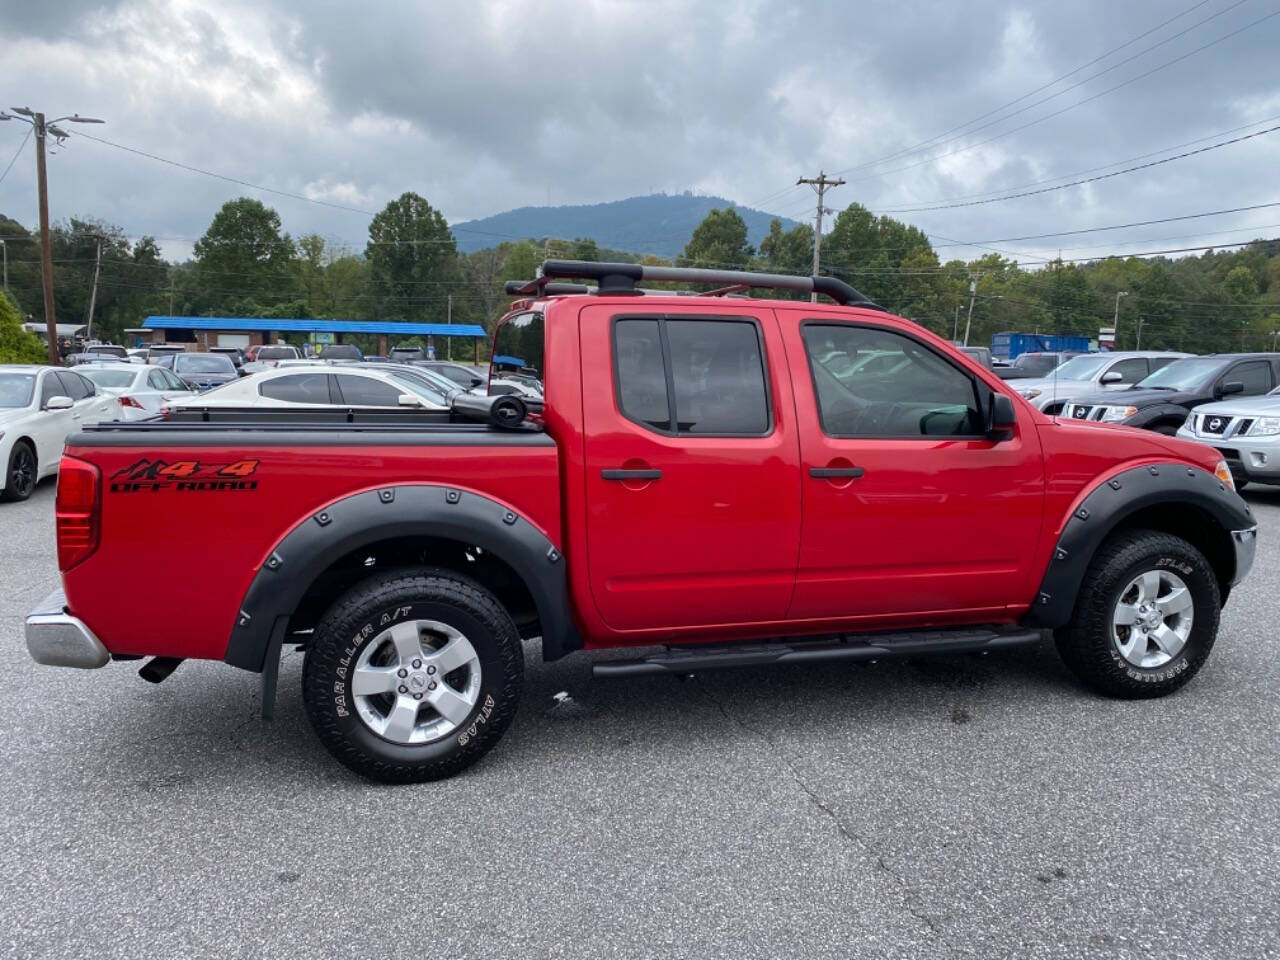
<point>57,639</point>
<point>1246,544</point>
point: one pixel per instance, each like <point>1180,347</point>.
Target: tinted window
<point>718,375</point>
<point>919,395</point>
<point>298,388</point>
<point>1255,376</point>
<point>15,389</point>
<point>1158,362</point>
<point>174,382</point>
<point>642,380</point>
<point>276,353</point>
<point>51,387</point>
<point>367,392</point>
<point>75,386</point>
<point>193,363</point>
<point>458,375</point>
<point>1187,374</point>
<point>156,380</point>
<point>1131,371</point>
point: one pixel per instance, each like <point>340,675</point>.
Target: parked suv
<point>698,477</point>
<point>1246,430</point>
<point>1033,364</point>
<point>1162,400</point>
<point>1089,373</point>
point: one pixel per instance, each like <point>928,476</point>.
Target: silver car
<point>1089,373</point>
<point>1247,432</point>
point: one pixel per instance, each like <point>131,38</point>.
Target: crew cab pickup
<point>707,481</point>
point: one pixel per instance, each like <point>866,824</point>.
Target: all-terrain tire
<point>21,476</point>
<point>1088,645</point>
<point>365,613</point>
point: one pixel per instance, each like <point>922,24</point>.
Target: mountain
<point>659,223</point>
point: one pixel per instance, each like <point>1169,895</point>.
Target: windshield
<point>419,385</point>
<point>108,351</point>
<point>110,378</point>
<point>277,353</point>
<point>15,389</point>
<point>1084,367</point>
<point>197,364</point>
<point>1037,363</point>
<point>1183,374</point>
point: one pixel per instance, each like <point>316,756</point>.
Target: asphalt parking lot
<point>951,808</point>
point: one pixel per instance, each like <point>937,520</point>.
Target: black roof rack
<point>620,279</point>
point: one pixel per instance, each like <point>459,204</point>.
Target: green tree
<point>585,248</point>
<point>412,259</point>
<point>719,242</point>
<point>243,261</point>
<point>16,344</point>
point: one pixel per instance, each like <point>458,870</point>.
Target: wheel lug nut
<point>402,673</point>
<point>417,664</point>
<point>431,685</point>
<point>417,696</point>
<point>403,688</point>
<point>431,669</point>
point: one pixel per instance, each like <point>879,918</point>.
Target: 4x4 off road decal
<point>185,476</point>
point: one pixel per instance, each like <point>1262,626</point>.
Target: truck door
<point>909,507</point>
<point>691,458</point>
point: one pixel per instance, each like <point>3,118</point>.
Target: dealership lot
<point>960,807</point>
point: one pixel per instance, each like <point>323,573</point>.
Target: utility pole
<point>973,293</point>
<point>448,341</point>
<point>4,249</point>
<point>93,291</point>
<point>1141,321</point>
<point>821,184</point>
<point>1115,322</point>
<point>41,128</point>
<point>955,323</point>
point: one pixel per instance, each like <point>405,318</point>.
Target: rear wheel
<point>20,474</point>
<point>413,676</point>
<point>1146,617</point>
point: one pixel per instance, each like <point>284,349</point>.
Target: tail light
<point>128,401</point>
<point>78,510</point>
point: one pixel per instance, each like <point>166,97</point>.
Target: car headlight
<point>1223,473</point>
<point>1262,427</point>
<point>1116,414</point>
<point>1030,393</point>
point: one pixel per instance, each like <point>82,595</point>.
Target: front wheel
<point>20,473</point>
<point>1146,616</point>
<point>413,675</point>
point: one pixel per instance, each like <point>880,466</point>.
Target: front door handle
<point>620,474</point>
<point>829,473</point>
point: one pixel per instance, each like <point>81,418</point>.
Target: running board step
<point>851,647</point>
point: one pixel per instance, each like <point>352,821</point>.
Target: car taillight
<point>78,510</point>
<point>128,401</point>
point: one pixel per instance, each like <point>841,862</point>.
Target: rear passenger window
<point>706,375</point>
<point>299,388</point>
<point>1255,376</point>
<point>872,382</point>
<point>155,380</point>
<point>1131,370</point>
<point>642,379</point>
<point>367,392</point>
<point>76,386</point>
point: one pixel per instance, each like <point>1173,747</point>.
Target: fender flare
<point>408,510</point>
<point>1161,411</point>
<point>1107,506</point>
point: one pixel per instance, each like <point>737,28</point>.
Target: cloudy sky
<point>484,106</point>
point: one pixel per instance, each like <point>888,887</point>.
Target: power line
<point>1068,89</point>
<point>16,154</point>
<point>1137,223</point>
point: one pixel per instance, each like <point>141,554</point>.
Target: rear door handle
<point>829,473</point>
<point>620,474</point>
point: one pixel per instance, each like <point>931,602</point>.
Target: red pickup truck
<point>721,479</point>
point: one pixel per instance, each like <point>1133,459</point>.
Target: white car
<point>270,356</point>
<point>39,408</point>
<point>320,385</point>
<point>1089,373</point>
<point>141,390</point>
<point>1246,430</point>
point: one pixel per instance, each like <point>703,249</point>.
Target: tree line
<point>410,269</point>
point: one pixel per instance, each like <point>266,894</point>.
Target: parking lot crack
<point>911,901</point>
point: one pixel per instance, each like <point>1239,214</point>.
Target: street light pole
<point>41,128</point>
<point>4,249</point>
<point>1115,323</point>
<point>955,323</point>
<point>973,292</point>
<point>1141,321</point>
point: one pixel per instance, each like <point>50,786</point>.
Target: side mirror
<point>1230,387</point>
<point>1001,417</point>
<point>60,403</point>
<point>409,400</point>
<point>1112,376</point>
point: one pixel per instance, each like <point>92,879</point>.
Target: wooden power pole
<point>821,184</point>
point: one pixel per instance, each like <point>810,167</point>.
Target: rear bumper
<point>1246,544</point>
<point>57,639</point>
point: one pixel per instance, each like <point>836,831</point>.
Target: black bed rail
<point>621,279</point>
